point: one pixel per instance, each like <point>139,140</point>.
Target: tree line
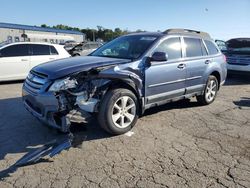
<point>94,34</point>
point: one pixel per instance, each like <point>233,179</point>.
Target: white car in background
<point>16,59</point>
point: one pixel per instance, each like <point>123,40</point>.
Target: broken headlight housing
<point>63,84</point>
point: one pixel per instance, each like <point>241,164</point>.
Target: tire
<point>118,111</point>
<point>210,91</point>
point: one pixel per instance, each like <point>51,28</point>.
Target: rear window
<point>15,50</point>
<point>211,47</point>
<point>40,49</point>
<point>193,47</point>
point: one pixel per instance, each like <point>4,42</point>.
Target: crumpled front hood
<point>63,67</point>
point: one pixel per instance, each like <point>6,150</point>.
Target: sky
<point>223,19</point>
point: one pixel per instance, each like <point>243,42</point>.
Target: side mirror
<point>159,56</point>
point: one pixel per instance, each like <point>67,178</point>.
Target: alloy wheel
<point>211,90</point>
<point>123,112</point>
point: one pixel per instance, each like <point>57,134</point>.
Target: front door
<point>165,80</point>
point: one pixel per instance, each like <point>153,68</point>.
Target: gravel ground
<point>176,145</point>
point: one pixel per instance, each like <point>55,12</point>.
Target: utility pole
<point>93,35</point>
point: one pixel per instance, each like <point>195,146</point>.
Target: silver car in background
<point>84,49</point>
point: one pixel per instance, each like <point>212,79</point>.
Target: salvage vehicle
<point>238,55</point>
<point>84,49</point>
<point>17,59</point>
<point>221,45</point>
<point>124,77</point>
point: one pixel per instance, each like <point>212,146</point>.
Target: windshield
<point>126,47</point>
<point>239,45</point>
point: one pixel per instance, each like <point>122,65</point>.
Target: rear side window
<point>40,49</point>
<point>193,47</point>
<point>53,50</point>
<point>15,50</point>
<point>172,47</point>
<point>211,47</point>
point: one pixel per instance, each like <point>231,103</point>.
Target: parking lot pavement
<point>176,145</point>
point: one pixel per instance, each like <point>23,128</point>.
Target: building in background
<point>16,32</point>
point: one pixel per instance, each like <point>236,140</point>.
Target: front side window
<point>193,47</point>
<point>40,49</point>
<point>126,47</point>
<point>211,47</point>
<point>172,47</point>
<point>15,50</point>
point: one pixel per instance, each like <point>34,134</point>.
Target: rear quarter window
<point>212,49</point>
<point>53,51</point>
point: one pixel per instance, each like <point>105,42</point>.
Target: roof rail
<point>187,31</point>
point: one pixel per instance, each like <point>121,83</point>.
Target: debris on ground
<point>49,149</point>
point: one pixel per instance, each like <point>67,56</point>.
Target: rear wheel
<point>210,91</point>
<point>118,111</point>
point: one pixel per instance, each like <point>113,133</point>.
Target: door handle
<point>208,61</point>
<point>51,58</point>
<point>181,66</point>
<point>24,60</point>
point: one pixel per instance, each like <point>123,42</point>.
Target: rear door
<point>41,53</point>
<point>196,63</point>
<point>165,80</point>
<point>14,62</point>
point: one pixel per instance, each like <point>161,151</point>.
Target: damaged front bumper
<point>45,107</point>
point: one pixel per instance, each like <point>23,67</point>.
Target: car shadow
<point>21,133</point>
<point>243,102</point>
<point>11,82</point>
<point>237,79</point>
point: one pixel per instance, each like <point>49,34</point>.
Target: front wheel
<point>210,91</point>
<point>118,111</point>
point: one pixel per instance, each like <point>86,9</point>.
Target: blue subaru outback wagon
<point>124,77</point>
